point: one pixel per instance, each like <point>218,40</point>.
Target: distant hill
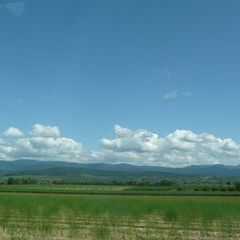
<point>103,171</point>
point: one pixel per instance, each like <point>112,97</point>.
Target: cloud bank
<point>178,149</point>
<point>41,143</point>
<point>140,147</point>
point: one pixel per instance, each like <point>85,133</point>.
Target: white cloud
<point>42,143</point>
<point>170,95</point>
<point>13,132</point>
<point>49,148</point>
<point>177,149</point>
<point>141,147</point>
<point>127,140</point>
<point>45,131</point>
<point>175,94</point>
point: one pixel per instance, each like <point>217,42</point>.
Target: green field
<point>86,216</point>
<point>111,190</point>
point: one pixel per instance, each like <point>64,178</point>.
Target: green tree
<point>237,186</point>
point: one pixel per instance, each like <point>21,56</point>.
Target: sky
<point>133,81</point>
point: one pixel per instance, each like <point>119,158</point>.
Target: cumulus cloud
<point>13,132</point>
<point>140,147</point>
<point>39,130</point>
<point>49,148</point>
<point>178,149</point>
<point>41,143</point>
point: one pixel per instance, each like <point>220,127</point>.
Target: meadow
<point>71,216</point>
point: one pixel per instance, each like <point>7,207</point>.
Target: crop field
<point>110,190</point>
<point>72,216</point>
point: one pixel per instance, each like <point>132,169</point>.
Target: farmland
<point>147,190</point>
<point>112,202</point>
<point>64,215</point>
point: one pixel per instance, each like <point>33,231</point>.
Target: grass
<point>50,188</point>
<point>42,216</point>
<point>111,190</point>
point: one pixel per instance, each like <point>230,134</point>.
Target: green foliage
<point>21,180</point>
<point>237,186</point>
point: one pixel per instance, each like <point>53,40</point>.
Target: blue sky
<point>86,66</point>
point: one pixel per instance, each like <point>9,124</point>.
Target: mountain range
<point>71,169</point>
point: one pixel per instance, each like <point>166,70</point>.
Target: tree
<point>10,180</point>
<point>237,186</point>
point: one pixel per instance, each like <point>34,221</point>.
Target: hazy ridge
<point>58,168</point>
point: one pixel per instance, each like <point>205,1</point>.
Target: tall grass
<point>129,217</point>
